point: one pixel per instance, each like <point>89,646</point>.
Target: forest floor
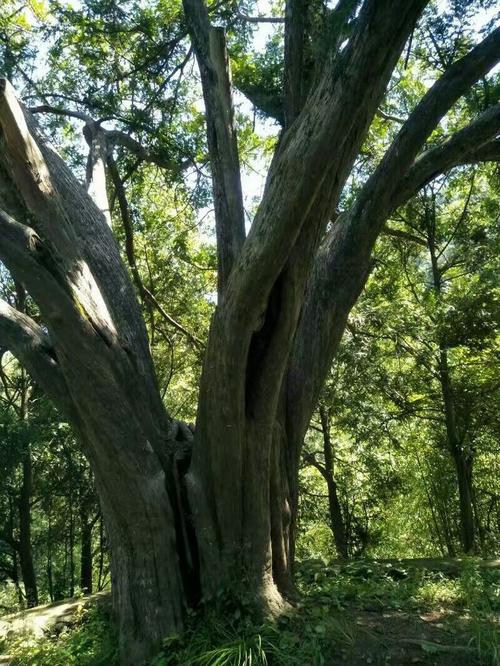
<point>393,612</point>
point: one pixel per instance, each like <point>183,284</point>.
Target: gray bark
<point>253,326</point>
<point>99,357</point>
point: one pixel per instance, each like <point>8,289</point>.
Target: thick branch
<point>74,234</point>
<point>95,173</point>
<point>210,48</point>
<point>295,35</point>
<point>319,150</point>
<point>469,145</point>
<point>32,347</point>
<point>343,264</point>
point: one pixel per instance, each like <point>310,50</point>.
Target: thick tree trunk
<point>96,364</point>
<point>95,360</point>
<point>147,588</point>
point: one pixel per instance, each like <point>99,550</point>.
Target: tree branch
<point>210,48</point>
<point>69,113</point>
<point>144,292</point>
<point>32,347</point>
<point>115,137</point>
<point>260,19</point>
<point>344,261</point>
<point>295,34</point>
<point>319,150</point>
<point>404,235</point>
<point>469,145</point>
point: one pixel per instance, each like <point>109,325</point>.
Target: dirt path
<point>39,620</point>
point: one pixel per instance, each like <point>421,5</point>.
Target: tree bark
<point>98,356</point>
<point>92,352</point>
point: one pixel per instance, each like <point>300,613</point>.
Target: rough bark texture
<point>253,326</point>
<point>98,356</point>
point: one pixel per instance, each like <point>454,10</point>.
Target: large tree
<point>190,516</point>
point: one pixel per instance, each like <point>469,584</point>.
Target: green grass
<point>320,630</point>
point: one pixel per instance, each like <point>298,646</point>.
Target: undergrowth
<point>90,640</point>
<point>322,629</point>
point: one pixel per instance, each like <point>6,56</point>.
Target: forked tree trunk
<point>95,361</point>
<point>96,365</point>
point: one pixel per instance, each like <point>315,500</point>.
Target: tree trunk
<point>462,458</point>
<point>463,466</point>
<point>92,355</point>
<point>25,547</point>
<point>71,547</point>
<point>96,364</point>
<point>336,518</point>
<point>86,555</point>
<point>50,578</point>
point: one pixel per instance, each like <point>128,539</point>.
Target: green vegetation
<point>89,640</point>
<point>363,612</point>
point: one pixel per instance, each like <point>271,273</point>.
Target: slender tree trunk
<point>86,555</point>
<point>463,466</point>
<point>100,575</point>
<point>336,518</point>
<point>50,578</point>
<point>461,457</point>
<point>25,547</point>
<point>71,548</point>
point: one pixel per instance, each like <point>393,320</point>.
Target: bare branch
<point>116,138</point>
<point>69,113</point>
<point>210,48</point>
<point>390,117</point>
<point>403,235</point>
<point>260,19</point>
